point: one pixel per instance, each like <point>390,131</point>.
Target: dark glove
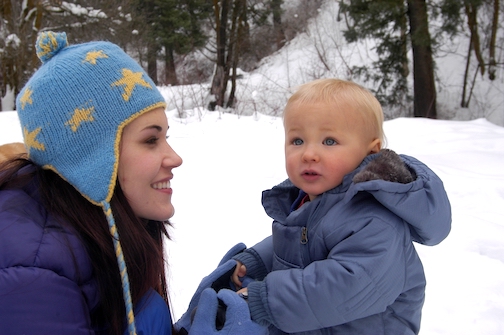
<point>237,316</point>
<point>219,278</point>
<point>387,166</point>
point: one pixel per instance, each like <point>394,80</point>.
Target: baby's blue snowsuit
<point>345,263</point>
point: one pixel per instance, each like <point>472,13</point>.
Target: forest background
<point>396,48</point>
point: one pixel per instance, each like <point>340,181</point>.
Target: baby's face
<point>323,143</point>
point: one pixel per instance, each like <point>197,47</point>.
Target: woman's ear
<point>374,146</point>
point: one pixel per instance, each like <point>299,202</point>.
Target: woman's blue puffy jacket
<point>46,278</point>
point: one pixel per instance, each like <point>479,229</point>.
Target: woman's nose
<point>171,159</point>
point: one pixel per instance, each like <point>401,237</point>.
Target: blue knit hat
<point>73,111</point>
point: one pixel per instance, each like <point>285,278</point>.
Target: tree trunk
<point>404,45</point>
<point>152,62</point>
<point>232,50</point>
<point>277,23</point>
<point>495,25</point>
<point>236,38</point>
<point>221,74</point>
<point>464,103</point>
<point>472,14</point>
<point>424,87</point>
<point>170,73</point>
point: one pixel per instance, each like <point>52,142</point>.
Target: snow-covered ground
<point>229,160</point>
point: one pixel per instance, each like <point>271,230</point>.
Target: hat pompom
<point>49,44</point>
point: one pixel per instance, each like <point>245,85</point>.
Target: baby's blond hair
<point>341,92</point>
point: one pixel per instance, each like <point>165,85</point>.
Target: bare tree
<point>471,11</point>
<point>18,28</point>
<point>495,25</point>
<point>21,21</point>
<point>483,43</point>
<point>231,28</point>
<point>221,74</point>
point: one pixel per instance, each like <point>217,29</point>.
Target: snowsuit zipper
<point>304,235</point>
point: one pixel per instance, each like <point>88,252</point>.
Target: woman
<point>82,220</point>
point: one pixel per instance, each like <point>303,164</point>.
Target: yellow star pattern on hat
<point>130,79</point>
<point>80,115</point>
<point>92,56</point>
<point>30,139</point>
<point>26,97</point>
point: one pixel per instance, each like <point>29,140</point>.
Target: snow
<point>8,100</point>
<point>229,160</point>
<point>13,41</point>
<point>78,10</point>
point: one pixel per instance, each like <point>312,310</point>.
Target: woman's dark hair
<point>142,241</point>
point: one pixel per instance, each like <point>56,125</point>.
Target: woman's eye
<point>330,141</point>
<point>297,141</point>
<point>152,140</point>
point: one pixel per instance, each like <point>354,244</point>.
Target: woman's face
<point>145,167</point>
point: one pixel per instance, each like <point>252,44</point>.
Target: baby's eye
<point>297,141</point>
<point>330,141</point>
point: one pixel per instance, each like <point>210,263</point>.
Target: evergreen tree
<point>170,28</point>
<point>178,27</point>
<point>385,21</point>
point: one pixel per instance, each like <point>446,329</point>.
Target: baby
<point>341,258</point>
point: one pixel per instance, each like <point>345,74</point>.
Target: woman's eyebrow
<point>158,128</point>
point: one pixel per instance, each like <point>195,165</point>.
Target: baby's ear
<point>374,146</point>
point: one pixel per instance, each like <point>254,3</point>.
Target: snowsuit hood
<point>406,200</point>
